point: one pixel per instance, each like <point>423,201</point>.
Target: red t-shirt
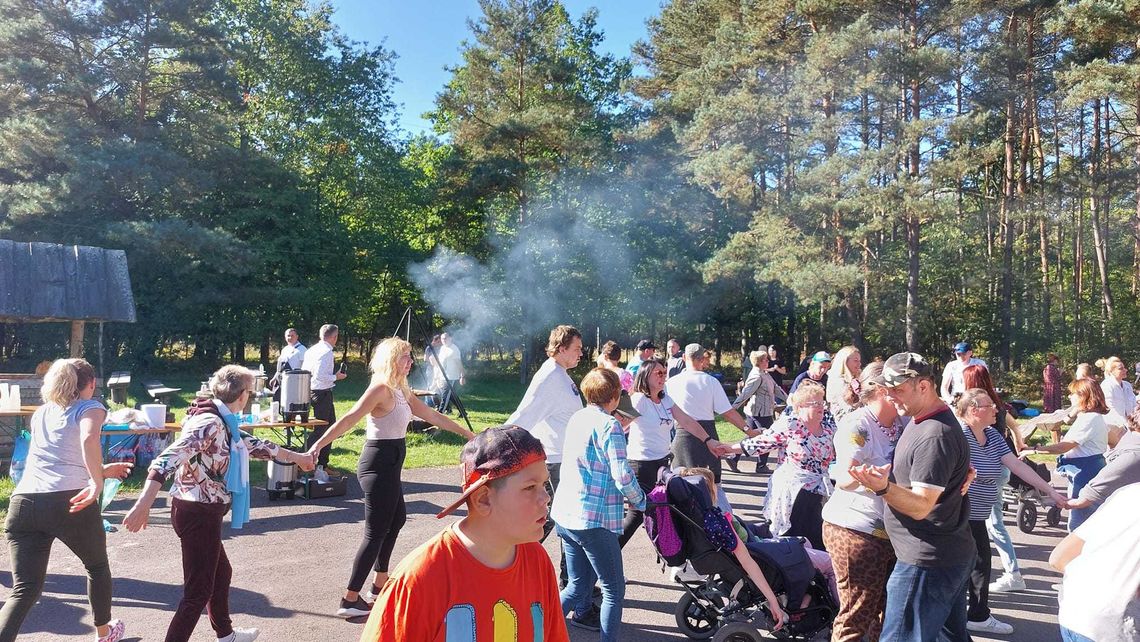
<point>442,593</point>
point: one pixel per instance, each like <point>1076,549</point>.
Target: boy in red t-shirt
<point>485,577</point>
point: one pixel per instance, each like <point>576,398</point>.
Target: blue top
<point>987,461</point>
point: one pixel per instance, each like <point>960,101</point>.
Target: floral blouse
<point>201,457</point>
<point>808,452</point>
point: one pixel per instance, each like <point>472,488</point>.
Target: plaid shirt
<point>595,476</point>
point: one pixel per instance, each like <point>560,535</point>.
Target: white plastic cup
<point>274,411</point>
<point>255,410</point>
<point>155,414</point>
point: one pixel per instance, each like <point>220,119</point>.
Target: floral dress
<point>804,468</point>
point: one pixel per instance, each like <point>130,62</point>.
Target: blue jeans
<point>593,555</point>
<point>1080,470</point>
<point>925,604</point>
<point>998,533</point>
<point>1073,636</point>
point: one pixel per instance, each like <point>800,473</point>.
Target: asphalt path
<point>292,561</point>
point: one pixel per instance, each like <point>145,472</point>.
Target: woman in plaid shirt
<point>588,505</point>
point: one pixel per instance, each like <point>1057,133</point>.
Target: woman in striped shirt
<point>988,454</point>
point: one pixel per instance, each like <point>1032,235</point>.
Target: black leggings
<point>978,609</point>
<point>381,463</point>
<point>646,474</point>
<point>35,521</point>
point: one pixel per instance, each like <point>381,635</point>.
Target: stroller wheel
<point>696,619</point>
<point>1053,516</point>
<point>1026,517</point>
<point>738,632</point>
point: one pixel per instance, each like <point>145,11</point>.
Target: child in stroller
<point>767,584</point>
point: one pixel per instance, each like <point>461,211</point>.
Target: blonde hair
<point>707,474</point>
<point>808,390</point>
<point>756,356</point>
<point>385,363</point>
<point>1109,364</point>
<point>229,382</point>
<point>65,379</point>
<point>840,361</point>
<point>1084,371</point>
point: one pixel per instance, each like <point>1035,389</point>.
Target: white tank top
<point>393,425</point>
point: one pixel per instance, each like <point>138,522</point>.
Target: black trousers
<point>760,423</point>
<point>979,602</point>
<point>379,470</point>
<point>35,521</point>
<point>807,519</point>
<point>548,527</point>
<point>646,474</point>
<point>323,409</point>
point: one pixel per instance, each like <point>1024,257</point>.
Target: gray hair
<point>328,329</point>
<point>969,399</point>
<point>230,381</point>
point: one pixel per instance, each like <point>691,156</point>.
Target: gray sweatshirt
<point>1122,468</point>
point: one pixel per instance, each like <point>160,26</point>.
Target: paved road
<point>291,562</point>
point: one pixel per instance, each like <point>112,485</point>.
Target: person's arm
<point>264,449</point>
<point>139,514</point>
<point>757,576</point>
<point>435,418</point>
<point>1030,476</point>
<point>1052,449</point>
<point>915,503</point>
<point>750,388</point>
<point>90,424</point>
<point>736,419</point>
<point>778,394</point>
<point>690,425</point>
<point>1121,471</point>
<point>377,394</point>
<point>1015,431</point>
<point>613,445</point>
<point>1066,551</point>
<point>945,387</point>
<point>772,438</point>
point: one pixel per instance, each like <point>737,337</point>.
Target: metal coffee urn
<point>295,395</point>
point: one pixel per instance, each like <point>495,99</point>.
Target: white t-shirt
<point>953,374</point>
<point>651,434</point>
<point>451,360</point>
<point>1090,433</point>
<point>294,355</point>
<point>859,437</point>
<point>1099,593</point>
<point>698,394</point>
<point>550,400</point>
<point>1119,396</point>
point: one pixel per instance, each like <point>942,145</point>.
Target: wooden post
<point>76,339</point>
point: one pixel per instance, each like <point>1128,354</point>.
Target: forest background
<point>812,173</point>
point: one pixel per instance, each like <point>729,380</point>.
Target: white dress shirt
<point>319,362</point>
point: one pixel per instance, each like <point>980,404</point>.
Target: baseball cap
<point>821,357</point>
<point>962,347</point>
<point>493,454</point>
<point>901,368</point>
<point>694,349</point>
<point>645,344</point>
<point>625,406</point>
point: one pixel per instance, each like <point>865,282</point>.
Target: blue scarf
<point>237,475</point>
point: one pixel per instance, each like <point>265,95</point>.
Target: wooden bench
<point>159,391</point>
<point>118,383</point>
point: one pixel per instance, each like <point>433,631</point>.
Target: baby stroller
<point>1028,498</point>
<point>725,603</point>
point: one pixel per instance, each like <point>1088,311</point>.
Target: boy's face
<point>520,504</point>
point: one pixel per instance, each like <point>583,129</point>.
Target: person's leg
<point>999,534</point>
<point>323,409</point>
<point>604,555</point>
<point>763,423</point>
<point>199,530</point>
<point>83,533</point>
<point>575,596</point>
<point>218,608</point>
<point>926,603</point>
<point>807,518</point>
<point>979,588</point>
<point>547,528</point>
<point>646,474</point>
<point>862,564</point>
<point>30,549</point>
<point>954,628</point>
<point>1073,636</point>
<point>381,463</point>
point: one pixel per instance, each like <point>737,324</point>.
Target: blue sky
<point>426,36</point>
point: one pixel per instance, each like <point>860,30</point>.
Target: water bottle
<point>17,470</point>
<point>20,450</point>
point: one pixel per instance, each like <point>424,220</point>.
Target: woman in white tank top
<point>387,406</point>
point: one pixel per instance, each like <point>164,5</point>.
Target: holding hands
<point>873,478</point>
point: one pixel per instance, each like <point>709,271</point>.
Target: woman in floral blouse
<point>210,462</point>
<point>800,484</point>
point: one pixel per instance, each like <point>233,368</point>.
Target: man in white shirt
<point>451,360</point>
<point>291,357</point>
<point>323,377</point>
<point>550,400</point>
<point>702,397</point>
<point>952,381</point>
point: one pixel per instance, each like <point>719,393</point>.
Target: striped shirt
<point>595,476</point>
<point>987,461</point>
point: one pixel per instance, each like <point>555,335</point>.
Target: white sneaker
<point>686,573</point>
<point>241,635</point>
<point>1008,583</point>
<point>991,626</point>
<point>320,475</point>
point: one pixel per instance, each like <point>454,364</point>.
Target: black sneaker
<point>733,463</point>
<point>353,609</point>
<point>591,620</point>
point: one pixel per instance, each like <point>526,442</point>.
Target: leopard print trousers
<point>863,564</point>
